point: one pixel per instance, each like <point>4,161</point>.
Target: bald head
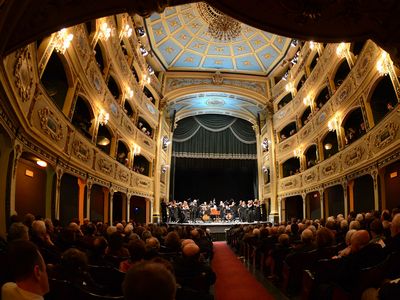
<point>395,228</point>
<point>358,240</point>
<point>186,242</point>
<point>307,236</point>
<point>190,250</point>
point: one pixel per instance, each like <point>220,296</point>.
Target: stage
<point>217,229</point>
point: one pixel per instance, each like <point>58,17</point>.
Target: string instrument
<point>229,216</point>
<point>205,218</point>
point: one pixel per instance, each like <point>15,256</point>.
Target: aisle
<point>234,282</point>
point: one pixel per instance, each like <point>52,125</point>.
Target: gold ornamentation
<point>123,175</point>
<point>105,166</point>
<point>354,156</point>
<point>329,169</point>
<point>386,135</point>
<point>169,50</point>
<point>50,124</point>
<point>23,73</point>
<point>80,150</point>
<point>217,78</point>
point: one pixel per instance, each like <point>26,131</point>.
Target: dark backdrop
<point>206,179</point>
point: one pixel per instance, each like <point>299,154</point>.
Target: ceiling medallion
<point>220,26</point>
<point>215,102</point>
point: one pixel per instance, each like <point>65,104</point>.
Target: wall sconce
<point>265,144</point>
<point>62,40</point>
<point>127,31</point>
<point>41,163</point>
<point>103,117</point>
<point>307,100</point>
<point>135,149</point>
<point>150,70</point>
<point>129,93</point>
<point>341,50</point>
<point>165,142</point>
<point>146,79</point>
<point>297,152</point>
<point>141,32</point>
<point>105,31</point>
<point>289,87</point>
<point>333,123</point>
<point>143,51</point>
<point>164,168</point>
<point>382,64</point>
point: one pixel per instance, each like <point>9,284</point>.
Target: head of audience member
<point>115,242</point>
<point>39,229</point>
<point>152,247</point>
<point>186,241</point>
<point>358,240</point>
<point>149,281</point>
<point>100,245</point>
<point>325,237</point>
<point>344,225</point>
<point>110,230</point>
<point>395,227</point>
<point>18,231</point>
<point>137,250</point>
<point>146,234</point>
<point>376,228</point>
<point>28,267</point>
<point>307,236</point>
<point>73,261</point>
<point>355,225</point>
<point>283,240</point>
<point>90,229</point>
<point>172,241</point>
<point>191,251</point>
<point>348,236</point>
<point>28,220</point>
<point>120,227</point>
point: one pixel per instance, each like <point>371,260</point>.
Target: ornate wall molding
<point>24,74</point>
<point>50,124</point>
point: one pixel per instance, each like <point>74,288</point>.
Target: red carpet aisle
<point>234,282</point>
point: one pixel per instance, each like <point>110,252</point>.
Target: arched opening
<point>288,131</point>
<point>145,127</point>
<point>134,73</point>
<point>291,167</point>
<point>383,99</point>
<point>294,208</point>
<point>313,205</point>
<point>119,207</point>
<point>285,100</point>
<point>306,116</point>
<point>128,109</point>
<point>141,165</point>
<point>391,176</point>
<point>123,153</point>
<point>113,87</point>
<point>69,198</point>
<point>354,126</point>
<point>55,80</point>
<point>311,155</point>
<point>31,185</point>
<point>149,95</point>
<point>341,73</point>
<point>301,82</point>
<point>98,54</point>
<point>83,117</point>
<point>330,144</point>
<point>322,98</point>
<point>314,61</point>
<point>363,193</point>
<point>334,200</point>
<point>104,138</point>
<point>357,47</point>
<point>97,200</point>
<point>138,209</point>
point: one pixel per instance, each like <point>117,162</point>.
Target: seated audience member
<point>98,252</point>
<point>191,272</point>
<point>115,246</point>
<point>376,231</point>
<point>172,243</point>
<point>394,243</point>
<point>42,239</point>
<point>18,231</point>
<point>152,248</point>
<point>137,250</point>
<point>29,273</point>
<point>149,281</point>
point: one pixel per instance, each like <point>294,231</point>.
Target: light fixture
<point>143,51</point>
<point>265,144</point>
<point>220,26</point>
<point>150,70</point>
<point>328,146</point>
<point>141,32</point>
<point>333,123</point>
<point>103,117</point>
<point>382,64</point>
<point>341,50</point>
<point>164,168</point>
<point>62,40</point>
<point>105,31</point>
<point>294,43</point>
<point>127,31</point>
<point>146,79</point>
<point>135,149</point>
<point>129,92</point>
<point>307,100</point>
<point>297,152</point>
<point>41,163</point>
<point>103,141</point>
<point>289,87</point>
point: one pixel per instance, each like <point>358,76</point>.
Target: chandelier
<point>220,26</point>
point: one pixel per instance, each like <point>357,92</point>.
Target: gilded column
<point>375,177</point>
<point>81,198</point>
<point>89,185</point>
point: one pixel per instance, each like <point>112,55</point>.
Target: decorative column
<point>350,185</point>
<point>18,148</point>
<point>89,185</point>
<point>128,207</point>
<point>303,195</point>
<point>111,206</point>
<point>59,174</point>
<point>81,198</point>
<point>259,163</point>
<point>345,197</point>
<point>375,177</point>
<point>157,169</point>
<point>274,176</point>
<point>106,201</point>
<point>321,201</point>
<point>280,209</point>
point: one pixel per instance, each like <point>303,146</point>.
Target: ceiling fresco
<point>215,103</point>
<point>180,39</point>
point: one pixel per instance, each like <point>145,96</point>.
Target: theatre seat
<point>108,277</point>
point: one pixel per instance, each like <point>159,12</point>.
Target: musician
<point>250,211</point>
<point>221,209</point>
<point>173,211</point>
<point>185,212</point>
<point>257,211</point>
<point>228,213</point>
<point>242,211</point>
<point>194,213</point>
<point>164,209</point>
<point>234,210</point>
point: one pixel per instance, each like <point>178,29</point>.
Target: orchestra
<point>191,211</point>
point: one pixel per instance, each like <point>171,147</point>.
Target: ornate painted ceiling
<point>215,103</point>
<point>180,39</point>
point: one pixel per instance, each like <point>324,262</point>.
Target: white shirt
<point>10,291</point>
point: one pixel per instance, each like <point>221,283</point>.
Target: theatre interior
<point>112,110</point>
